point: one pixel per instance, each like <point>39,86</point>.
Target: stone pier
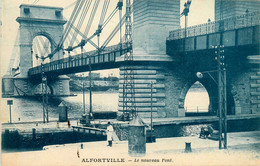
<point>153,19</point>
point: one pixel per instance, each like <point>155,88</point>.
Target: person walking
<point>110,131</point>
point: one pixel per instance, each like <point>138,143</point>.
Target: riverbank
<point>35,135</point>
<point>243,149</point>
<point>97,85</point>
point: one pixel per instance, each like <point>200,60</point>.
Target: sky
<point>200,12</point>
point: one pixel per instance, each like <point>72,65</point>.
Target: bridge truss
<point>129,107</point>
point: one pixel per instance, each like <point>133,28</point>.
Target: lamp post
<point>185,13</point>
<point>44,94</point>
<point>82,44</point>
<point>222,93</point>
<point>90,91</point>
<point>83,90</point>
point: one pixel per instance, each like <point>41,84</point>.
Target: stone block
<point>255,77</point>
<point>255,85</point>
<point>7,85</point>
<point>255,93</point>
<point>238,110</point>
<point>153,23</point>
<point>181,112</point>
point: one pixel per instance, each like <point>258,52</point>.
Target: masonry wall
<point>35,21</point>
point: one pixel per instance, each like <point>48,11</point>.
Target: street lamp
<point>185,13</point>
<point>82,44</point>
<point>90,91</point>
<point>44,95</point>
<point>83,90</point>
<point>222,93</point>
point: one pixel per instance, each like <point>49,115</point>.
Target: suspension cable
<point>40,49</point>
<point>88,39</point>
<point>75,16</point>
<point>81,20</point>
<point>77,41</point>
<point>44,45</point>
<point>67,25</point>
<point>104,11</point>
<point>91,18</point>
<point>109,17</point>
<point>113,33</point>
<point>72,19</point>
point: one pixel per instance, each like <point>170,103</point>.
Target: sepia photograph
<point>130,82</point>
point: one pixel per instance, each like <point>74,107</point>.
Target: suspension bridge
<point>158,53</point>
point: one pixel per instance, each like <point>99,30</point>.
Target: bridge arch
<point>41,47</point>
<point>197,99</point>
<point>212,90</point>
<point>48,36</point>
<point>37,89</point>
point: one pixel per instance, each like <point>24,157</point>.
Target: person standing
<point>68,123</point>
<point>110,131</point>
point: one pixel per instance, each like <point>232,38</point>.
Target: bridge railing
<point>246,20</point>
<point>95,52</point>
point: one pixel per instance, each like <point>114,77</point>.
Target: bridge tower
<point>37,21</point>
<point>238,8</point>
<point>152,21</point>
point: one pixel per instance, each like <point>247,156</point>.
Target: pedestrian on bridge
<point>110,131</point>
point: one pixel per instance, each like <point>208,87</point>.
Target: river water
<point>31,109</point>
<point>24,109</point>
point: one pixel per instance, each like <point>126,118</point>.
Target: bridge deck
<point>81,62</point>
<point>237,34</point>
